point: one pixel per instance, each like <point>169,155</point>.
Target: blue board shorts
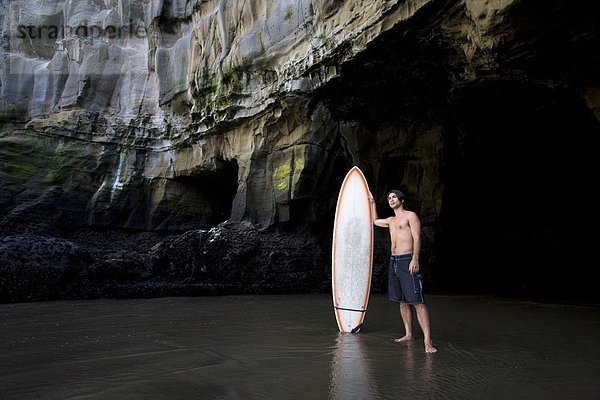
<point>402,286</point>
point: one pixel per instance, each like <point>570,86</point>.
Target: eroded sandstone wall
<point>170,96</point>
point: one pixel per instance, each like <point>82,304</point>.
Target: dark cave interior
<point>517,177</point>
<point>516,166</point>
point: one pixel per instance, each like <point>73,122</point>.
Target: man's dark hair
<point>398,193</point>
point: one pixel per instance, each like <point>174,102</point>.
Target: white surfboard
<point>352,252</point>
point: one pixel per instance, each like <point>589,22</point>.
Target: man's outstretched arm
<point>383,223</point>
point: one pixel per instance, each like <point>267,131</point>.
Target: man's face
<point>394,201</point>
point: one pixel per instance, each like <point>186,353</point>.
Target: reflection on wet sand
<point>416,368</point>
<point>350,376</point>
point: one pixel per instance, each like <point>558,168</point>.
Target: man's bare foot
<point>430,349</point>
<point>405,338</point>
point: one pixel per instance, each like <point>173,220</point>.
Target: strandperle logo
<point>82,30</point>
<point>40,29</point>
<point>60,19</point>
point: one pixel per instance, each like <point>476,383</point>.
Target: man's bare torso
<point>400,234</point>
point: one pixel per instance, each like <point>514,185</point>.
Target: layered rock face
<point>127,123</point>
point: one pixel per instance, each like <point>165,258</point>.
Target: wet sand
<point>288,347</point>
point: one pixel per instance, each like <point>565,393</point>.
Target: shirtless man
<point>405,282</point>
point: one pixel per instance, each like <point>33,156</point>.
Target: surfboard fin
<point>356,329</point>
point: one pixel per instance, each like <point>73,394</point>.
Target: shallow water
<point>288,347</point>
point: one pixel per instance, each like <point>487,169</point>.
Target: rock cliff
<point>180,146</point>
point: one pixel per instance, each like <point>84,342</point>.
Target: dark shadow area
<point>402,76</point>
<point>553,40</point>
<point>211,194</point>
<point>199,200</point>
<point>517,187</point>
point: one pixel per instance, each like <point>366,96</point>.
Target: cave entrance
<point>200,200</point>
<point>515,180</point>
